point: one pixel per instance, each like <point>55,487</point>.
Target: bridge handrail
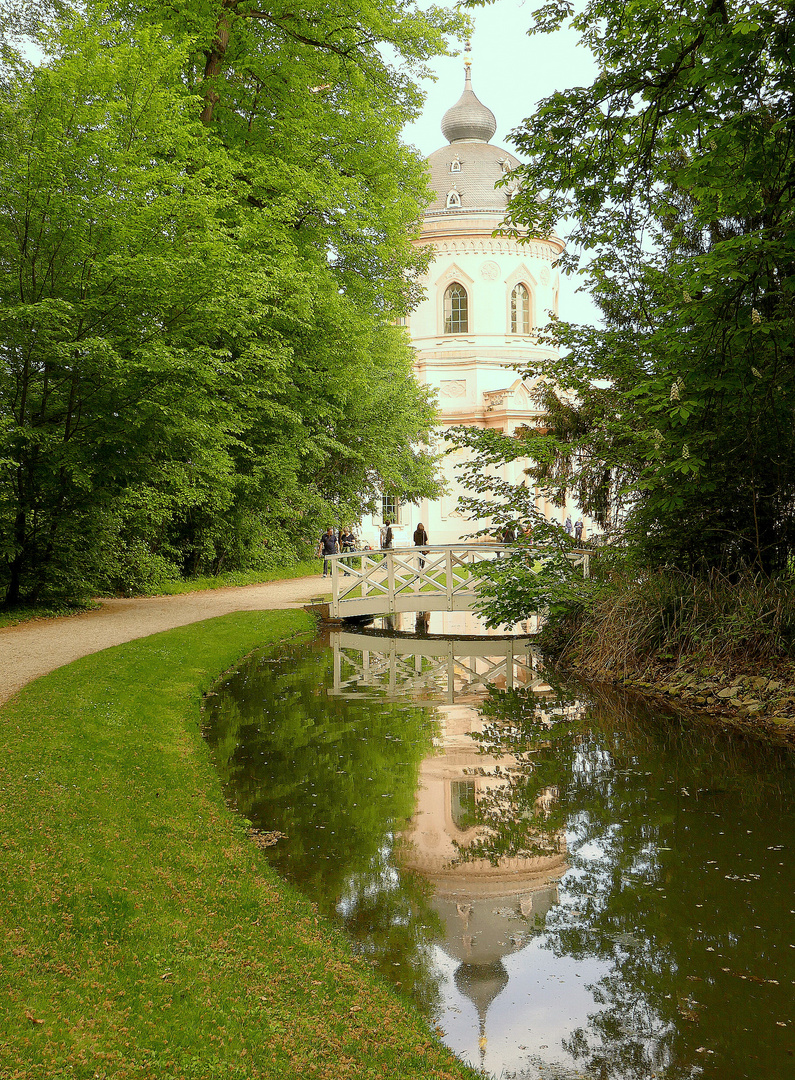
<point>439,570</point>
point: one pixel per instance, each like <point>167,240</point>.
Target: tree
<point>203,264</point>
<point>674,420</point>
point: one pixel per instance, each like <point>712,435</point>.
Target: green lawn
<point>143,933</point>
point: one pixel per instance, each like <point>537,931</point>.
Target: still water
<point>568,884</point>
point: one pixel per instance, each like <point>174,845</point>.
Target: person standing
<point>328,546</point>
<point>421,541</point>
<point>347,539</point>
<point>387,535</point>
<point>567,526</point>
<point>578,530</point>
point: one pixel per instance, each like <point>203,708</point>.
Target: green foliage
<point>205,242</point>
<point>673,422</point>
<point>522,584</point>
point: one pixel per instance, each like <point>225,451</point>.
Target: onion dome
<point>466,172</point>
<point>468,120</point>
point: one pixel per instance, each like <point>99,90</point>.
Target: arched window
<point>453,198</point>
<point>455,165</point>
<point>455,309</point>
<point>520,310</point>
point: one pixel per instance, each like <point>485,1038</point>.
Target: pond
<point>567,883</point>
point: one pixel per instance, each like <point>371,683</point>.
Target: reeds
<point>637,621</point>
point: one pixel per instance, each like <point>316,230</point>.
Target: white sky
<point>510,74</point>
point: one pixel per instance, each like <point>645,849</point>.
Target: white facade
<point>485,297</point>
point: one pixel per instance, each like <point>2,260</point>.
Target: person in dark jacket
<point>420,541</point>
<point>387,535</point>
<point>328,546</point>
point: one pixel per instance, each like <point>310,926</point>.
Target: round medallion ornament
<point>490,271</point>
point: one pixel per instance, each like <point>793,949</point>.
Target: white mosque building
<point>485,298</point>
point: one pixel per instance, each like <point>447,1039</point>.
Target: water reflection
<point>570,892</point>
<point>431,667</point>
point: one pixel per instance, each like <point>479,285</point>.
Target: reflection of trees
<point>690,922</point>
<point>337,778</point>
<point>522,815</point>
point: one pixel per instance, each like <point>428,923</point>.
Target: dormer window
<point>505,165</point>
<point>455,164</point>
<point>453,198</point>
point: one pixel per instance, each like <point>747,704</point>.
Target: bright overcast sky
<point>510,74</point>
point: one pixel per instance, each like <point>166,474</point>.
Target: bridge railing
<point>438,577</point>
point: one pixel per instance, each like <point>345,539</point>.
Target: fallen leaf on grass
<point>32,1018</point>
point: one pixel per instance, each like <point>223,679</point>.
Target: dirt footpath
<point>34,648</point>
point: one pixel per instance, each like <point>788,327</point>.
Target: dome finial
<point>468,120</point>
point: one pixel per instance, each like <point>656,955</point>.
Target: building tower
<point>485,297</point>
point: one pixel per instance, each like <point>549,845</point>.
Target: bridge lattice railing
<point>384,580</point>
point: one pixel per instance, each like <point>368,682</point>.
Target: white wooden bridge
<point>439,577</point>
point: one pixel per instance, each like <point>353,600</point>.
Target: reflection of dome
<point>481,983</point>
<point>481,927</point>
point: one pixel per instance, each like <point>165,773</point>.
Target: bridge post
<point>390,577</point>
<point>449,574</point>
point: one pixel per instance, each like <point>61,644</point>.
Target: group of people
<point>577,528</point>
<point>331,544</point>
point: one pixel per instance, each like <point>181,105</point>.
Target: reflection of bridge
<point>448,667</point>
<point>438,578</point>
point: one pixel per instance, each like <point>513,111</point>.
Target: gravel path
<point>35,648</point>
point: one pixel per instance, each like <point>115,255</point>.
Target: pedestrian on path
<point>421,541</point>
<point>328,546</point>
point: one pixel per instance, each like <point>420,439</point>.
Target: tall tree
<point>203,263</point>
<point>677,165</point>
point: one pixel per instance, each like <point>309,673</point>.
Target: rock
<point>726,692</point>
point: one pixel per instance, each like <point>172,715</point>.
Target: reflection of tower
<point>489,910</point>
<point>481,983</point>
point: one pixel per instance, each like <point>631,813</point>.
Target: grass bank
<point>238,577</point>
<point>143,934</point>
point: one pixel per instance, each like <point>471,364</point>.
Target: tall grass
<point>636,621</point>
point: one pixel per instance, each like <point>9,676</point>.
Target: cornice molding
<point>495,245</point>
